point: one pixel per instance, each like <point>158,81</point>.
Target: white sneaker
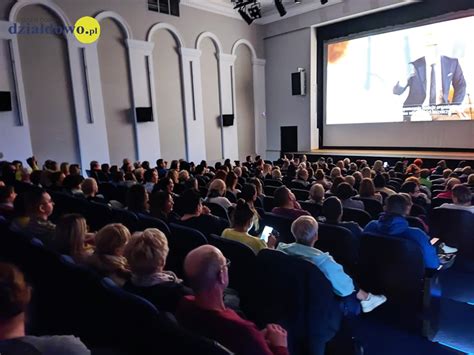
<point>372,302</point>
<point>448,250</point>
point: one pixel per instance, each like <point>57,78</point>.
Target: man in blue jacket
<point>394,224</point>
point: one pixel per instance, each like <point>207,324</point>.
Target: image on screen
<point>423,73</point>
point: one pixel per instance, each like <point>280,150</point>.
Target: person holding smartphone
<point>242,222</point>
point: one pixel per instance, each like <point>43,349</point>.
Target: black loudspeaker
<point>144,114</point>
<point>289,139</point>
<point>298,83</point>
<point>5,101</point>
<point>227,120</point>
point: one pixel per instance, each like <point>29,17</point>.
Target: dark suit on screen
<point>451,73</point>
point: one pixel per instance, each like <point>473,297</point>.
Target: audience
<point>72,239</point>
<point>146,254</point>
<point>161,206</point>
<point>367,190</point>
<point>332,211</point>
<point>108,259</point>
<point>316,194</point>
<point>345,193</point>
<point>137,199</point>
<point>286,204</point>
<point>205,313</point>
<point>197,217</point>
<point>216,193</point>
<point>462,199</point>
<point>15,297</point>
<point>379,183</point>
<point>242,223</point>
<point>393,223</point>
<point>449,187</point>
<point>39,206</point>
<point>305,230</point>
<point>7,198</point>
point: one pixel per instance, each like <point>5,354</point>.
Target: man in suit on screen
<point>430,79</point>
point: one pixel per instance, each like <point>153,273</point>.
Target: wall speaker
<point>298,82</point>
<point>144,114</point>
<point>227,120</point>
<point>5,101</point>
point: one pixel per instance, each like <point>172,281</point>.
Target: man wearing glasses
<point>205,313</point>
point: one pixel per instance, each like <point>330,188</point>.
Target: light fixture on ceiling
<point>249,10</point>
<point>281,9</point>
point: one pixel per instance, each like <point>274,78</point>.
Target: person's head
<point>276,174</point>
<point>206,270</point>
<point>249,193</point>
<point>411,188</point>
<point>317,193</point>
<point>462,195</point>
<point>379,181</point>
<point>137,199</point>
<point>70,232</point>
<point>151,175</point>
<point>105,168</point>
<point>366,172</point>
<point>89,187</point>
<point>283,197</point>
<point>35,177</point>
<point>166,184</point>
<point>7,194</point>
<point>73,182</point>
<point>231,180</point>
<point>470,179</point>
<point>64,168</point>
<point>74,169</point>
<point>335,172</point>
<point>38,203</point>
<point>173,175</point>
<point>139,174</point>
<point>238,171</point>
<point>378,166</point>
<point>425,173</point>
<point>409,200</point>
<point>305,230</point>
<point>174,165</point>
<point>319,175</point>
<point>350,180</point>
<point>161,203</point>
<point>216,188</point>
<point>15,295</point>
<point>191,202</point>
<point>221,175</point>
<point>447,173</point>
<point>332,209</point>
<point>451,183</point>
<point>94,165</point>
<point>413,169</point>
<point>183,175</point>
<point>367,188</point>
<point>344,191</point>
<point>111,239</point>
<point>397,205</point>
<point>418,162</point>
<point>146,252</point>
<point>242,216</point>
<point>57,178</point>
<point>302,174</point>
<point>258,185</point>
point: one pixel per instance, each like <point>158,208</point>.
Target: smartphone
<point>385,165</point>
<point>266,233</point>
<point>434,241</point>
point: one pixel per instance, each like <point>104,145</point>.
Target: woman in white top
<point>216,193</point>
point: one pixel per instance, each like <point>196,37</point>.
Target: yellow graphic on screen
<point>87,30</point>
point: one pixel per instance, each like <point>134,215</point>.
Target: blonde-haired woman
<point>216,194</point>
<point>71,237</point>
<point>146,254</point>
<point>108,259</point>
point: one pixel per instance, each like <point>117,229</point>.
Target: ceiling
<point>269,12</point>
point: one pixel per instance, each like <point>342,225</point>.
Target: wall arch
<point>244,42</point>
<point>170,28</point>
<point>213,37</point>
<point>117,18</point>
<point>15,10</point>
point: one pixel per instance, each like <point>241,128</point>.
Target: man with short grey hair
<point>305,230</point>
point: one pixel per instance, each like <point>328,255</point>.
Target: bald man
<point>205,313</point>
